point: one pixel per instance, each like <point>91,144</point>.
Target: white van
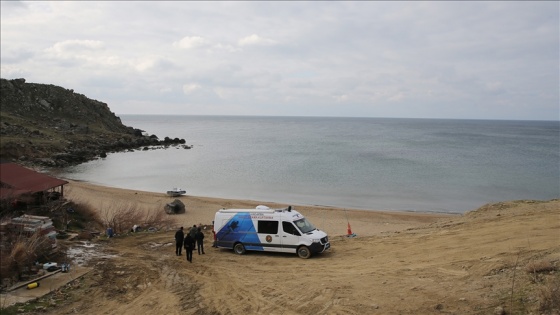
<point>271,230</point>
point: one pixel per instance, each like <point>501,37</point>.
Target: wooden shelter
<point>20,183</point>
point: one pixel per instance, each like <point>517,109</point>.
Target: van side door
<point>290,237</point>
<point>268,232</point>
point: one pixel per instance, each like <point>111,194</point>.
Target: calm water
<point>364,163</point>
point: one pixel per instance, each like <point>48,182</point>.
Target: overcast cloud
<point>483,60</point>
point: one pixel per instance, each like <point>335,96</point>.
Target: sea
<point>419,165</point>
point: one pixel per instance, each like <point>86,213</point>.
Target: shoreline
<point>299,205</point>
<point>201,210</point>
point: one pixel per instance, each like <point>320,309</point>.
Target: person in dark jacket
<point>179,236</point>
<point>193,231</point>
<point>189,246</point>
<point>200,241</point>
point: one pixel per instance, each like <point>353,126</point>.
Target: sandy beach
<point>487,261</point>
<point>201,210</point>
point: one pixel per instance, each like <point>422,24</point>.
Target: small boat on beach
<point>176,192</point>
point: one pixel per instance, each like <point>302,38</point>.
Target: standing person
<point>214,235</point>
<point>200,241</point>
<point>193,231</point>
<point>179,236</point>
<point>189,246</point>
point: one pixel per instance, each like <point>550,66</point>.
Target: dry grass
<point>540,266</point>
<point>84,217</point>
<point>549,296</point>
<point>122,217</point>
<point>20,252</point>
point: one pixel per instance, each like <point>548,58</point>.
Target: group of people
<point>194,237</point>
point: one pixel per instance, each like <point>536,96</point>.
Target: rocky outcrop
<point>49,125</point>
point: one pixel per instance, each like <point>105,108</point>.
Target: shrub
<point>122,217</point>
<point>20,252</point>
<point>540,266</point>
<point>549,296</point>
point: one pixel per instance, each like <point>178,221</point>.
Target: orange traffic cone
<point>349,230</point>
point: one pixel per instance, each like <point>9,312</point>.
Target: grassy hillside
<point>51,125</point>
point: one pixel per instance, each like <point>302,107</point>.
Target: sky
<point>441,59</point>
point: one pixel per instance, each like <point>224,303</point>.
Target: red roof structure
<point>16,180</point>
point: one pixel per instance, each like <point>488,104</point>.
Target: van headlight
<point>316,240</point>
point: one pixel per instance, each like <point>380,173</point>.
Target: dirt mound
<point>499,208</point>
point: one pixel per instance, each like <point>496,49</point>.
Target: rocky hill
<point>42,124</point>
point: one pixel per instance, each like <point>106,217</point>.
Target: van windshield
<point>304,226</point>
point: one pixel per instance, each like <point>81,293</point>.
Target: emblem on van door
<point>269,238</point>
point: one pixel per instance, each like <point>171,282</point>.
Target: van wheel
<point>239,249</point>
<point>303,252</point>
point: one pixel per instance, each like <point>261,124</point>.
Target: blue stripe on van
<point>239,228</point>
